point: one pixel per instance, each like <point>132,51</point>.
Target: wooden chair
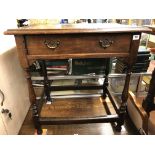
<point>142,109</point>
<point>137,113</point>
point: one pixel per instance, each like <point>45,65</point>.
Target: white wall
<point>14,86</point>
<point>6,41</point>
<point>12,83</point>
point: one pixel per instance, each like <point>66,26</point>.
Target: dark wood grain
<point>134,45</point>
<point>95,109</point>
<point>77,55</point>
<point>81,107</point>
<point>77,41</point>
<point>77,44</point>
<point>22,51</point>
<point>22,54</point>
<point>133,50</point>
<point>75,28</point>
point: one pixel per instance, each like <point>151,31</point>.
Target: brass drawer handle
<point>52,44</point>
<point>105,43</point>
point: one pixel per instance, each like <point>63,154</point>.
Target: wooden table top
<point>76,28</point>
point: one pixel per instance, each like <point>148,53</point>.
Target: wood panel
<point>77,44</point>
<point>81,129</point>
<point>81,107</point>
<point>76,41</point>
<point>75,28</point>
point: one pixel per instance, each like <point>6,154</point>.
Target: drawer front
<point>77,44</point>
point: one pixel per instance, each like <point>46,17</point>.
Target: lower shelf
<point>72,107</point>
<point>76,111</point>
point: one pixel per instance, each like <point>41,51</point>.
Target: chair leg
<point>148,102</point>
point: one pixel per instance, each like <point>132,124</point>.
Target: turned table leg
<point>124,97</point>
<point>46,81</point>
<point>32,97</point>
<point>106,83</point>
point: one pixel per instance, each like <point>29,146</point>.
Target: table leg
<point>32,97</point>
<point>124,97</point>
<point>106,82</point>
<point>46,81</point>
<point>36,119</point>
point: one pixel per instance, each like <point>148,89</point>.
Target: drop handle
<point>105,43</point>
<point>52,44</point>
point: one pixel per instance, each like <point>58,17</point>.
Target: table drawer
<point>77,44</point>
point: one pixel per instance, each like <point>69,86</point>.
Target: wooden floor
<point>78,108</point>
